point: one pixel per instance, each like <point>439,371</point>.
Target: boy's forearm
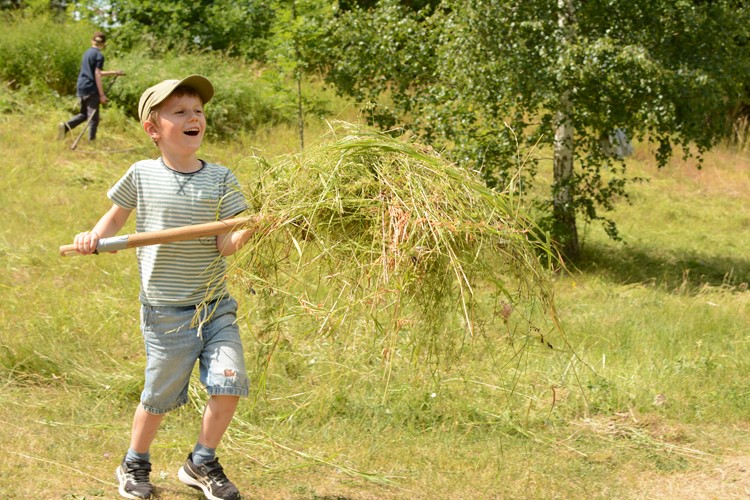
<point>105,228</point>
<point>111,223</point>
<point>98,77</point>
<point>87,241</point>
<point>229,243</point>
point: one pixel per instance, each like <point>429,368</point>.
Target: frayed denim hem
<point>227,391</point>
<point>158,411</point>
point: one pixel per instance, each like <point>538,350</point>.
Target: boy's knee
<point>223,405</point>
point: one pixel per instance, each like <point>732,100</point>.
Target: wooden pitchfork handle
<point>181,233</point>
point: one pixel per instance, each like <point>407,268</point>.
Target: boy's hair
<point>99,38</point>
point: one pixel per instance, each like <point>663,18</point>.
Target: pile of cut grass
<point>380,235</point>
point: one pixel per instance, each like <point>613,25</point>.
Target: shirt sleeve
<point>233,201</point>
<point>124,193</point>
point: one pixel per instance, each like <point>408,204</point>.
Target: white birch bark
<point>564,147</point>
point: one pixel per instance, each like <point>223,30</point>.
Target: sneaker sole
<point>121,489</point>
<point>194,483</point>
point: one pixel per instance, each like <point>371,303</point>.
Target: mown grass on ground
<point>659,323</point>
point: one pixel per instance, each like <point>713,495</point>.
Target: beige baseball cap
<point>153,96</point>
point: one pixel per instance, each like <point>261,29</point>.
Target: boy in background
<point>187,314</point>
<point>89,88</point>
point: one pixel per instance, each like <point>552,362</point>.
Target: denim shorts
<point>176,337</point>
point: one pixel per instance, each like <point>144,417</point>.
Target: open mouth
<point>192,132</point>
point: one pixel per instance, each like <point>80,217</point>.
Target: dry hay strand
<point>370,228</point>
<point>628,430</point>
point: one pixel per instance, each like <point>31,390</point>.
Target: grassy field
<point>652,401</point>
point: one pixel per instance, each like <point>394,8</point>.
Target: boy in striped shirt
<point>187,314</point>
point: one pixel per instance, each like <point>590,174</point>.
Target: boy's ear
<point>152,130</point>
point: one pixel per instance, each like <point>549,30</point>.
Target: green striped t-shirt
<point>184,272</point>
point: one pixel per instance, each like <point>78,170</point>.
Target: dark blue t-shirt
<point>92,59</point>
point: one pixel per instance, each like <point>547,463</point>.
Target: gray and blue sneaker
<point>133,479</point>
<point>208,477</point>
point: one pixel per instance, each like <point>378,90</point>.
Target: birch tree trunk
<point>298,76</point>
<point>565,230</point>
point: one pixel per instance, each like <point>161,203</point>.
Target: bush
<point>245,98</point>
<point>42,51</point>
<point>39,54</point>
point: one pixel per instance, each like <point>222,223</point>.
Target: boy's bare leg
<point>202,469</point>
<point>145,426</point>
<point>216,419</point>
<point>133,472</point>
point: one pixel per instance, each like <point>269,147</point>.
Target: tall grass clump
<point>377,244</point>
<point>43,52</point>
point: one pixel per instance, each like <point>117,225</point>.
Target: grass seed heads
<point>385,226</point>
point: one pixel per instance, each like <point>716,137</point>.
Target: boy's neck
<point>184,165</point>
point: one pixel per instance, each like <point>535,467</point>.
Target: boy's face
<point>180,124</point>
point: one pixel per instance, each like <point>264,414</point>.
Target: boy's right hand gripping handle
<point>112,244</point>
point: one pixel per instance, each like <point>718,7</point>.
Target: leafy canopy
<point>238,28</point>
<point>486,78</point>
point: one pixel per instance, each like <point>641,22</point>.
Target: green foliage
<point>415,5</point>
<point>34,7</point>
<point>229,26</point>
<point>245,101</point>
<point>486,79</point>
<point>369,52</point>
<point>299,26</point>
<point>42,51</point>
<point>38,54</point>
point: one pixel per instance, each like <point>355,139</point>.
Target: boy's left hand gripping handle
<point>105,245</point>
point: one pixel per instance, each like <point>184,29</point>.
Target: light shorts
<point>175,339</point>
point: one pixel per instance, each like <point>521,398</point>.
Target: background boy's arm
<point>99,86</point>
<point>107,226</point>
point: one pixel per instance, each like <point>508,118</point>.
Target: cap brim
<point>201,84</point>
<point>155,95</point>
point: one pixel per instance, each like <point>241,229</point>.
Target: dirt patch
<point>709,476</point>
<point>728,480</point>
